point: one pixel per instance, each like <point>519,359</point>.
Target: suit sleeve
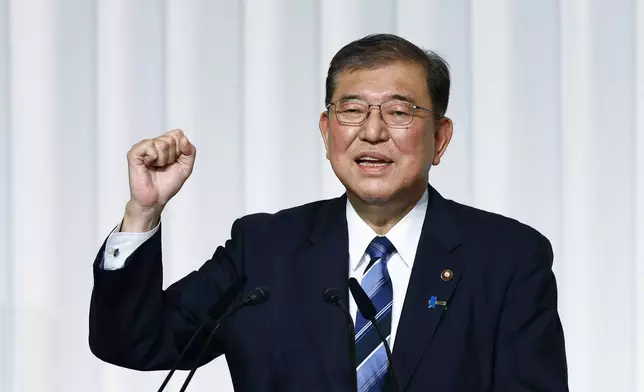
<point>530,352</point>
<point>136,324</point>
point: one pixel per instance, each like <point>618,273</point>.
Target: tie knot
<point>380,247</point>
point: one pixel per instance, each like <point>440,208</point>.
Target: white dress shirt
<point>120,246</point>
<point>405,236</point>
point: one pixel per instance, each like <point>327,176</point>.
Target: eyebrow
<point>397,97</point>
<point>350,96</point>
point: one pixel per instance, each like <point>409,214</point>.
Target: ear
<point>324,130</point>
<point>442,137</point>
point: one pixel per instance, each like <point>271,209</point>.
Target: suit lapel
<point>322,263</point>
<point>436,252</point>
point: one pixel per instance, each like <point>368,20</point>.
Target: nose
<point>374,128</point>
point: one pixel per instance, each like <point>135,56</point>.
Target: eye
<point>399,112</point>
<point>351,107</point>
<point>399,109</point>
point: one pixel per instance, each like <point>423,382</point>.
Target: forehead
<point>378,84</point>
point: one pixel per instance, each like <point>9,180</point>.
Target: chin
<point>375,200</point>
<point>373,196</point>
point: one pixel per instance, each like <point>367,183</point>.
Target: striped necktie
<point>371,357</point>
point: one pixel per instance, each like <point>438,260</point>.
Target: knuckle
<point>176,136</point>
<point>147,144</point>
<point>173,134</point>
<point>161,144</point>
<point>138,148</point>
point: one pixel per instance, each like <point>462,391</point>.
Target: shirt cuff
<point>119,246</point>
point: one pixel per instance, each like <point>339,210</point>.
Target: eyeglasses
<point>394,113</point>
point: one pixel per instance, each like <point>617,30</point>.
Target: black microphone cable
<point>255,297</point>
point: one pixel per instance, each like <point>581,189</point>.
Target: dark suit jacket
<point>501,331</point>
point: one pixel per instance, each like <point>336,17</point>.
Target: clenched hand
<point>157,169</point>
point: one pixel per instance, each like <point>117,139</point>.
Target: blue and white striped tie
<point>371,357</point>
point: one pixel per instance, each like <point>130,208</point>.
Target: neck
<point>381,217</point>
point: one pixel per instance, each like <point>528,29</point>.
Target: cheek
<point>414,144</point>
<point>339,141</point>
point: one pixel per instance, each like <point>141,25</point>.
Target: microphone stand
<point>332,296</point>
<point>214,313</point>
<point>255,297</point>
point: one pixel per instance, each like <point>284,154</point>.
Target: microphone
<point>368,311</point>
<point>213,313</point>
<point>332,296</point>
<point>255,297</point>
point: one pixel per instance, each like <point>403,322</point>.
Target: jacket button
<point>447,275</point>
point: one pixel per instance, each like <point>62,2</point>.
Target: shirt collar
<point>405,234</point>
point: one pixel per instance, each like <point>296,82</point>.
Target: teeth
<point>373,164</point>
<point>371,159</point>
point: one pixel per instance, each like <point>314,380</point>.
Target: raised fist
<point>157,169</point>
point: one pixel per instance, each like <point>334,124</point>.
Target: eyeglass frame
<point>370,106</point>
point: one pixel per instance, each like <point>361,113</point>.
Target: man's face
<point>377,162</point>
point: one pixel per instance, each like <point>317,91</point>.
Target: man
<point>466,299</point>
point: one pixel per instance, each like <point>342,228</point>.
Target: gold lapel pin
<point>447,275</point>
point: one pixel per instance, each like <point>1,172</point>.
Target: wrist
<point>140,219</point>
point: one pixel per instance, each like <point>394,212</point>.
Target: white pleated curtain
<point>547,100</point>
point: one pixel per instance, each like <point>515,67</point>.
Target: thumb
<point>188,152</point>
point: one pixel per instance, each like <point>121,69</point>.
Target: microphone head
<point>365,306</point>
<point>331,295</point>
<point>258,296</point>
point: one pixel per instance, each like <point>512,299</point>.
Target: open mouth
<point>373,161</point>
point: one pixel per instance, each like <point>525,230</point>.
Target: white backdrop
<point>547,102</point>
